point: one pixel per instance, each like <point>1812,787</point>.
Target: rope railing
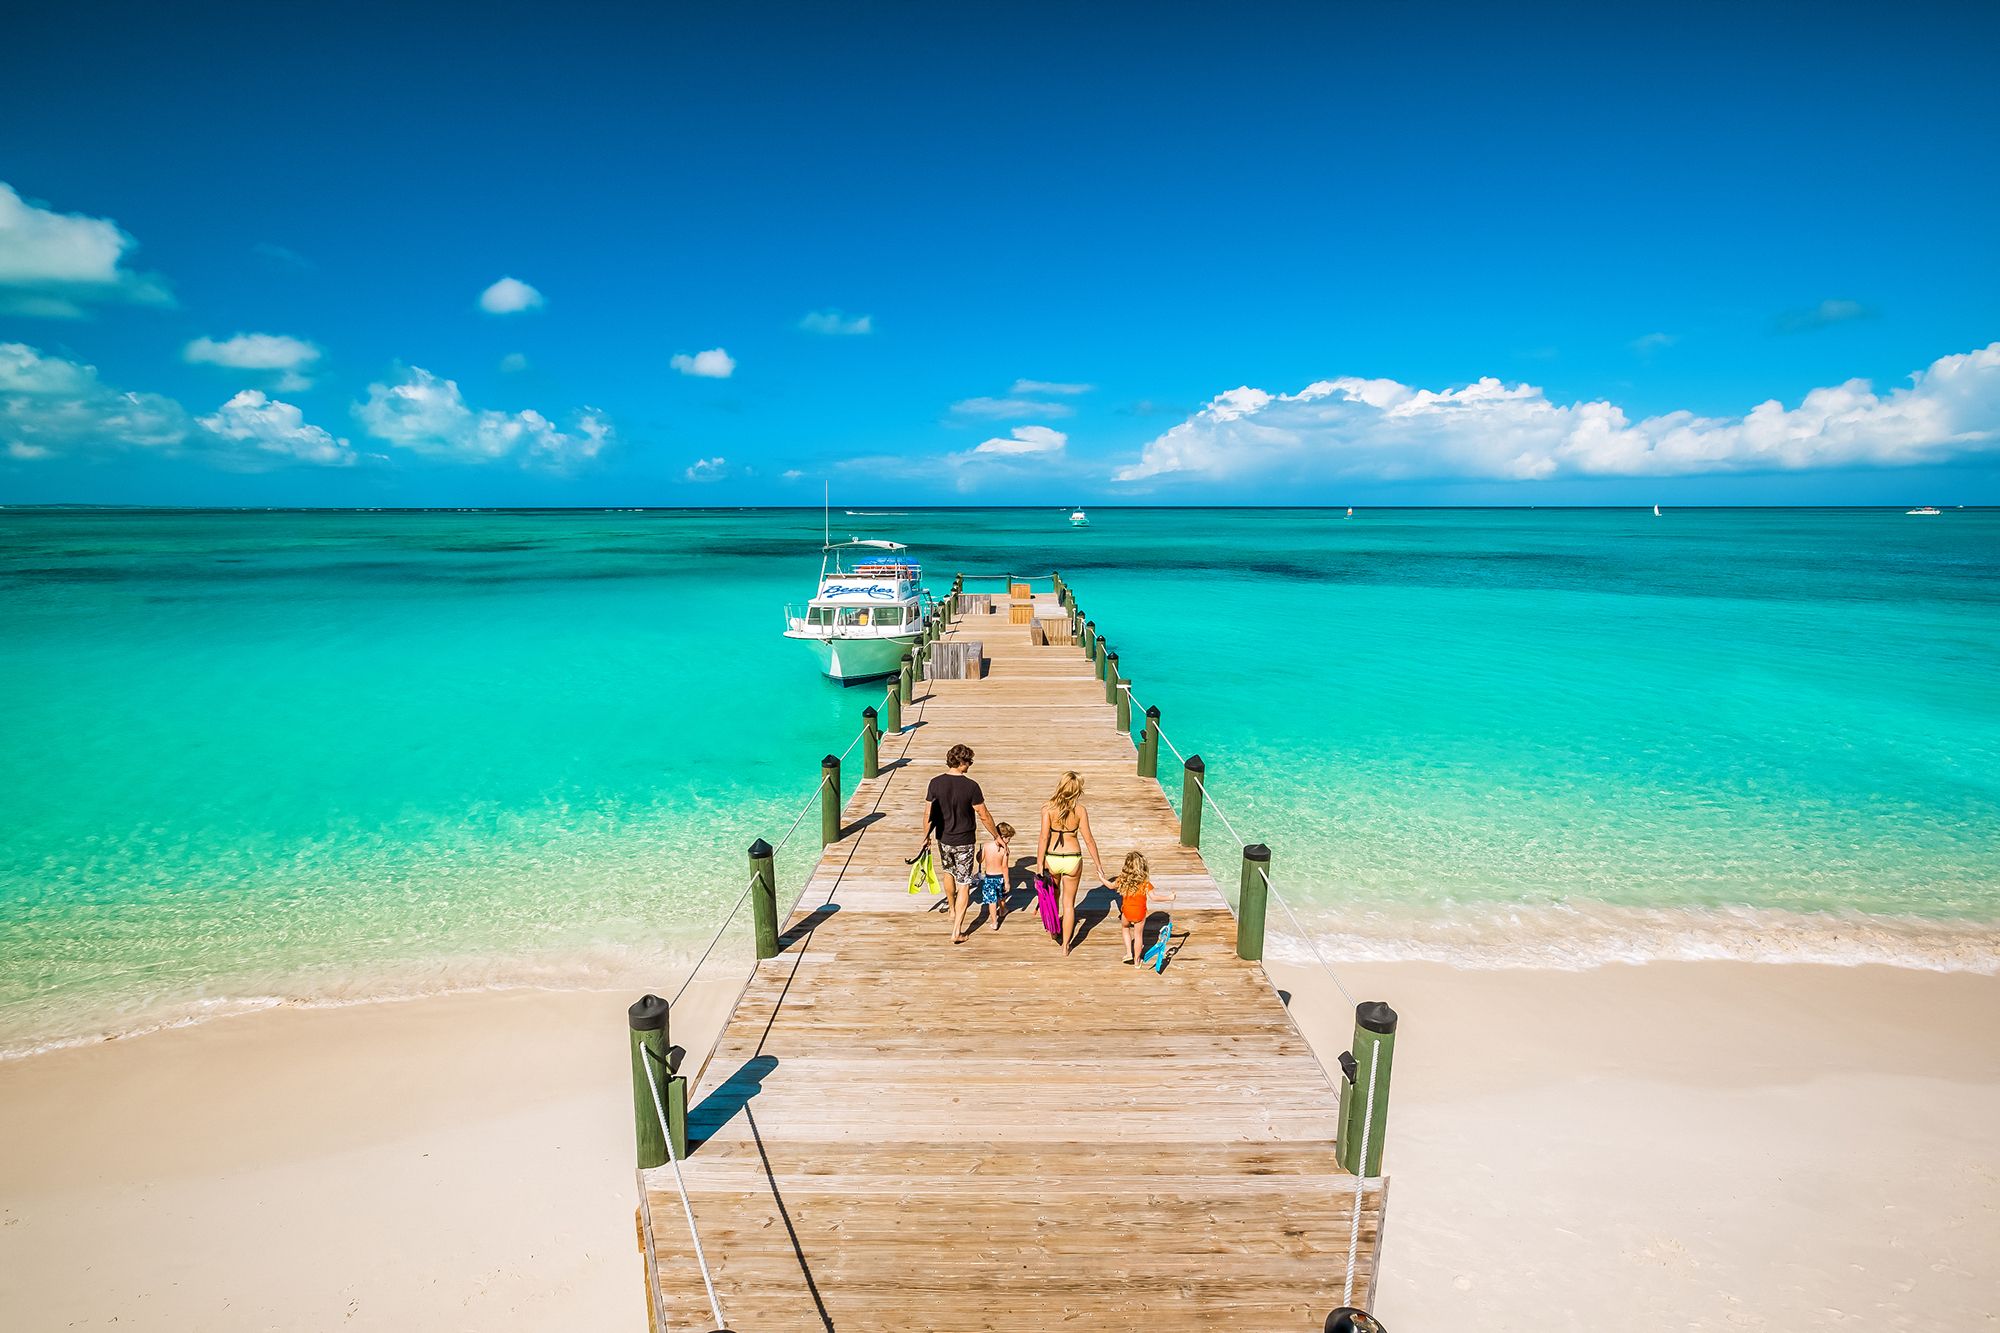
<point>687,1205</point>
<point>744,896</point>
<point>1354,1221</point>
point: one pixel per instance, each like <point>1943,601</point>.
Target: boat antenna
<point>826,514</point>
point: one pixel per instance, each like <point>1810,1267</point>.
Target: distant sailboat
<point>1656,511</point>
<point>1350,513</point>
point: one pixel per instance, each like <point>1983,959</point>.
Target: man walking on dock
<point>952,801</point>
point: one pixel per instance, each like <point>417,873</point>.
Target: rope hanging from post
<point>673,1160</point>
<point>1354,1227</point>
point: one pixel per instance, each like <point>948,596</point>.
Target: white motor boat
<point>866,613</point>
<point>1924,509</point>
<point>1079,519</point>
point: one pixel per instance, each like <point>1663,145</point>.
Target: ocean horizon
<point>260,756</point>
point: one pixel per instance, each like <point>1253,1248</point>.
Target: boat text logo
<point>879,591</point>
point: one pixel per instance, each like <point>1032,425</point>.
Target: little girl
<point>993,863</point>
<point>1133,886</point>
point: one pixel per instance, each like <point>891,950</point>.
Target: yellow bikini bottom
<point>1060,864</point>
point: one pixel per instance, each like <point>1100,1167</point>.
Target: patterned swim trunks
<point>961,863</point>
<point>990,887</point>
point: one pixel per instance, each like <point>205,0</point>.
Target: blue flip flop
<point>1156,954</point>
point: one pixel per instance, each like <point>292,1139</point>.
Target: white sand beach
<point>1694,1146</point>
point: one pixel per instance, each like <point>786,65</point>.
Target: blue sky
<point>999,254</point>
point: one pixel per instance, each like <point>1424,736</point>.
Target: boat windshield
<point>894,616</point>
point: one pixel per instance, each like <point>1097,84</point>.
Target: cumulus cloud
<point>714,364</point>
<point>55,265</point>
<point>509,296</point>
<point>793,474</point>
<point>429,416</point>
<point>1000,409</point>
<point>1050,386</point>
<point>707,469</point>
<point>1389,431</point>
<point>835,324</point>
<point>288,358</point>
<point>267,426</point>
<point>1024,440</point>
<point>1822,316</point>
<point>50,406</point>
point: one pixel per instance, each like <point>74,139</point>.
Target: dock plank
<point>898,1133</point>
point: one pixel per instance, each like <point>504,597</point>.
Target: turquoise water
<point>247,757</point>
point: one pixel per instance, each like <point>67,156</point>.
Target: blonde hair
<point>1134,873</point>
<point>1069,790</point>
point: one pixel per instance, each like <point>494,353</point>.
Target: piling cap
<point>1347,1319</point>
<point>1194,762</point>
<point>870,713</point>
<point>1153,711</point>
<point>759,850</point>
<point>1375,1016</point>
<point>831,761</point>
<point>1256,851</point>
<point>1348,1066</point>
<point>648,1014</point>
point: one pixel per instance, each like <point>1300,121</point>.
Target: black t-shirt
<point>952,796</point>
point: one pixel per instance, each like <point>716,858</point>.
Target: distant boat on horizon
<point>1925,510</point>
<point>1656,511</point>
<point>1350,513</point>
<point>1079,519</point>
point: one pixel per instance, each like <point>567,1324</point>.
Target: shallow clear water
<point>337,755</point>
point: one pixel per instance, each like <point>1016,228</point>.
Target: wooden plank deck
<point>896,1134</point>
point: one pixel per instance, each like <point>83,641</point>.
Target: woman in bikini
<point>1065,838</point>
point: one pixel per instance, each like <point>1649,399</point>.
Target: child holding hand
<point>1133,886</point>
<point>993,865</point>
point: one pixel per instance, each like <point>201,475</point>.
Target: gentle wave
<point>1580,935</point>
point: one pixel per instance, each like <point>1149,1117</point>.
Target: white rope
<point>1360,1175</point>
<point>646,1058</point>
<point>1311,942</point>
<point>851,744</point>
<point>736,907</point>
<point>1220,813</point>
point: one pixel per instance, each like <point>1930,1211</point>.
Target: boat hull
<point>853,659</point>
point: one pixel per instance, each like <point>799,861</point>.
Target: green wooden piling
<point>653,1064</point>
<point>1374,1053</point>
<point>1124,706</point>
<point>1191,780</point>
<point>905,686</point>
<point>1103,651</point>
<point>1149,745</point>
<point>829,800</point>
<point>764,898</point>
<point>1111,684</point>
<point>871,744</point>
<point>892,709</point>
<point>1089,639</point>
<point>1252,897</point>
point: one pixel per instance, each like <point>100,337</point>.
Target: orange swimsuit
<point>1133,905</point>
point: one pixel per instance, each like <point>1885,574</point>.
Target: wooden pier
<point>897,1133</point>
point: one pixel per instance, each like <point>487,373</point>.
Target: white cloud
<point>714,364</point>
<point>509,296</point>
<point>792,474</point>
<point>836,324</point>
<point>1382,429</point>
<point>707,469</point>
<point>513,363</point>
<point>1648,343</point>
<point>270,427</point>
<point>1024,440</point>
<point>53,265</point>
<point>427,415</point>
<point>49,406</point>
<point>1050,386</point>
<point>290,357</point>
<point>999,409</point>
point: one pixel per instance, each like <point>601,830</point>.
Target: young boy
<point>993,865</point>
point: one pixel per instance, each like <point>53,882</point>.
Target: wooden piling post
<point>653,1065</point>
<point>1191,780</point>
<point>905,686</point>
<point>1089,639</point>
<point>1149,745</point>
<point>1374,1053</point>
<point>1253,893</point>
<point>829,800</point>
<point>1103,651</point>
<point>764,898</point>
<point>1111,684</point>
<point>871,744</point>
<point>892,709</point>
